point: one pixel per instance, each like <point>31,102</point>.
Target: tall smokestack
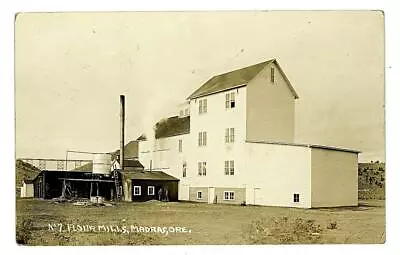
<point>122,131</point>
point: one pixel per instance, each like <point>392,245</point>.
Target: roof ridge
<point>264,62</point>
<point>227,80</point>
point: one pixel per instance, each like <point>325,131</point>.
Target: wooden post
<point>63,189</point>
<point>97,188</point>
<point>91,189</point>
<point>122,132</point>
<point>44,185</point>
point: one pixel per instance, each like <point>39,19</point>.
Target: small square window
<point>199,195</point>
<point>296,198</point>
<point>150,190</point>
<point>229,195</point>
<point>137,190</point>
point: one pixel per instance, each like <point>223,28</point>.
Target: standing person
<point>166,195</point>
<point>159,194</point>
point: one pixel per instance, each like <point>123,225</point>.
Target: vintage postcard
<point>192,128</point>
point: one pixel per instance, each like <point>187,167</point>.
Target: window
<point>199,195</point>
<point>137,190</point>
<point>180,145</point>
<point>232,135</point>
<point>296,198</point>
<point>272,75</point>
<point>202,168</point>
<point>230,100</point>
<point>229,167</point>
<point>229,195</point>
<point>202,106</point>
<point>233,100</point>
<point>150,190</point>
<point>202,141</point>
<point>229,135</point>
<point>184,169</point>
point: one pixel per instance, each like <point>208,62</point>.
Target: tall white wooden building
<point>232,142</point>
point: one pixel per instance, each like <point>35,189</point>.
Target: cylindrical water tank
<point>102,164</point>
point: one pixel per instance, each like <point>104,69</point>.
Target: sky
<point>70,69</point>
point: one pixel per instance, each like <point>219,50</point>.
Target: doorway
<point>211,195</point>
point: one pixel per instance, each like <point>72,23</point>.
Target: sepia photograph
<point>200,128</point>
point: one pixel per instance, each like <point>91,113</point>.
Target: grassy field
<point>203,223</point>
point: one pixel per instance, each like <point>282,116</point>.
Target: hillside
<point>23,171</point>
<point>371,180</point>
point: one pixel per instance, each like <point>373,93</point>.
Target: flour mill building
<point>233,142</point>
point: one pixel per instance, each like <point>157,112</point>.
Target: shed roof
<point>306,145</point>
<point>148,175</point>
<point>64,174</point>
<point>172,126</point>
<point>235,79</point>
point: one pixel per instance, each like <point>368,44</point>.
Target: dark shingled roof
<point>235,79</point>
<point>149,175</point>
<point>172,126</point>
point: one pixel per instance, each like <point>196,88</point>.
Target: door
<point>183,193</point>
<point>257,196</point>
<point>211,195</point>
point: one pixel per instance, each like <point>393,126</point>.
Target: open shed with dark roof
<point>49,184</point>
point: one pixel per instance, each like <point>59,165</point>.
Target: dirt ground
<point>185,223</point>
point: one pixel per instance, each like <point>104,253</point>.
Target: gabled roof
<point>172,126</point>
<point>149,175</point>
<point>130,150</point>
<point>235,79</point>
<point>131,163</point>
